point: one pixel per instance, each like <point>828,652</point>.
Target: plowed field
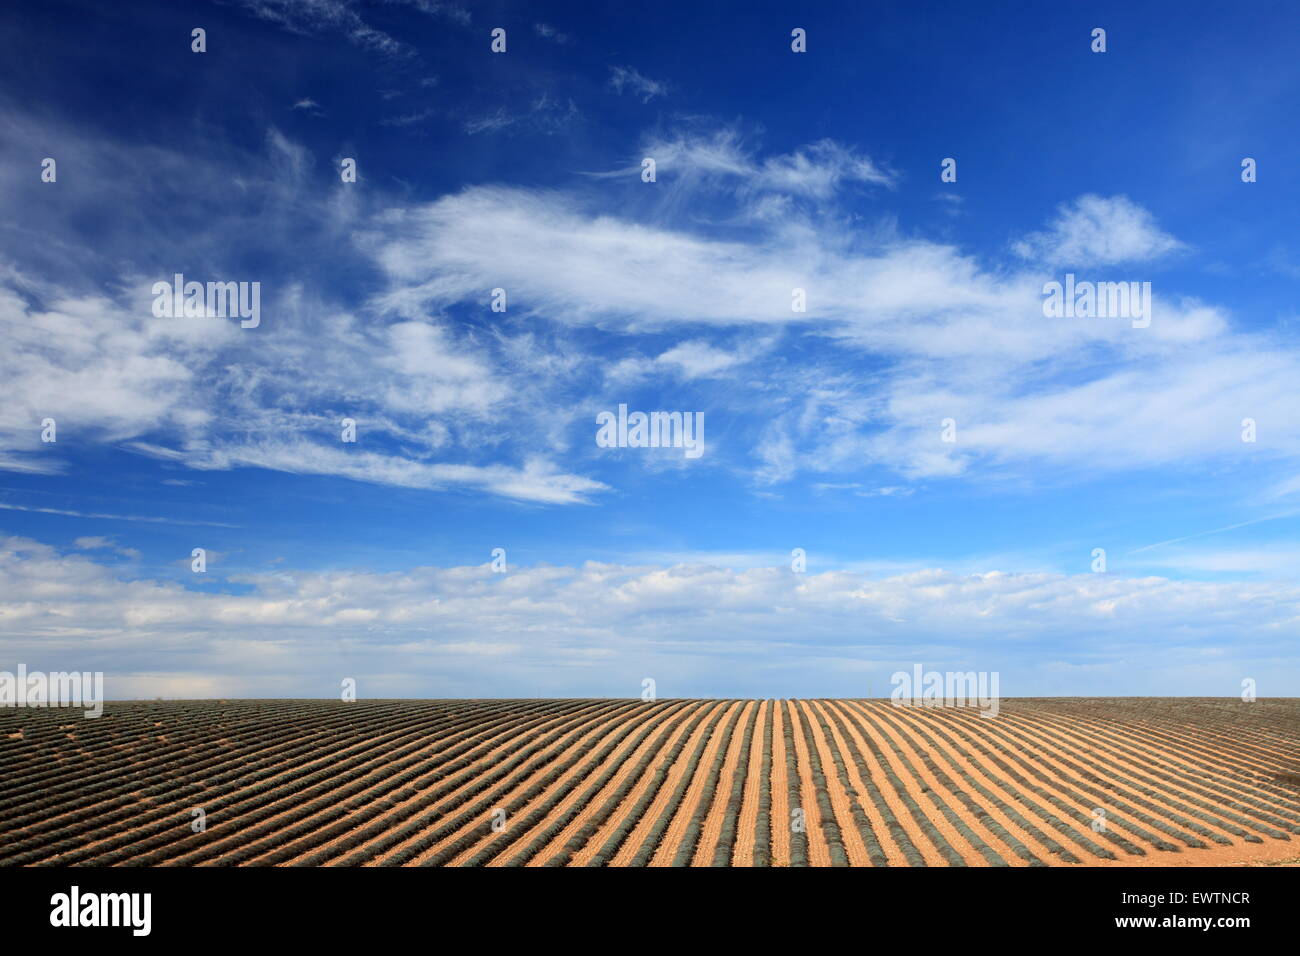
<point>1047,782</point>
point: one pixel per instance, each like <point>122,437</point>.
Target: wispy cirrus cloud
<point>344,17</point>
<point>546,114</point>
<point>148,519</point>
<point>950,335</point>
<point>536,481</point>
<point>627,79</point>
<point>719,157</point>
<point>327,16</point>
<point>548,32</point>
<point>960,341</point>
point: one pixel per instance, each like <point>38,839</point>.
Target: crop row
<point>1047,782</point>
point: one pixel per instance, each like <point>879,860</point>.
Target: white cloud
<point>100,370</point>
<point>819,169</point>
<point>719,156</point>
<point>859,490</point>
<point>696,359</point>
<point>599,628</point>
<point>148,519</point>
<point>688,360</point>
<point>946,334</point>
<point>544,114</point>
<point>1099,230</point>
<point>536,481</point>
<point>342,17</point>
<point>118,374</point>
<point>548,32</point>
<point>332,16</point>
<point>409,119</point>
<point>499,119</point>
<point>626,78</point>
<point>959,341</point>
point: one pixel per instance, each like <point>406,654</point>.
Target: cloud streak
<point>572,628</point>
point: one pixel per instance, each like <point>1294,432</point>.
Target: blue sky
<point>476,429</point>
